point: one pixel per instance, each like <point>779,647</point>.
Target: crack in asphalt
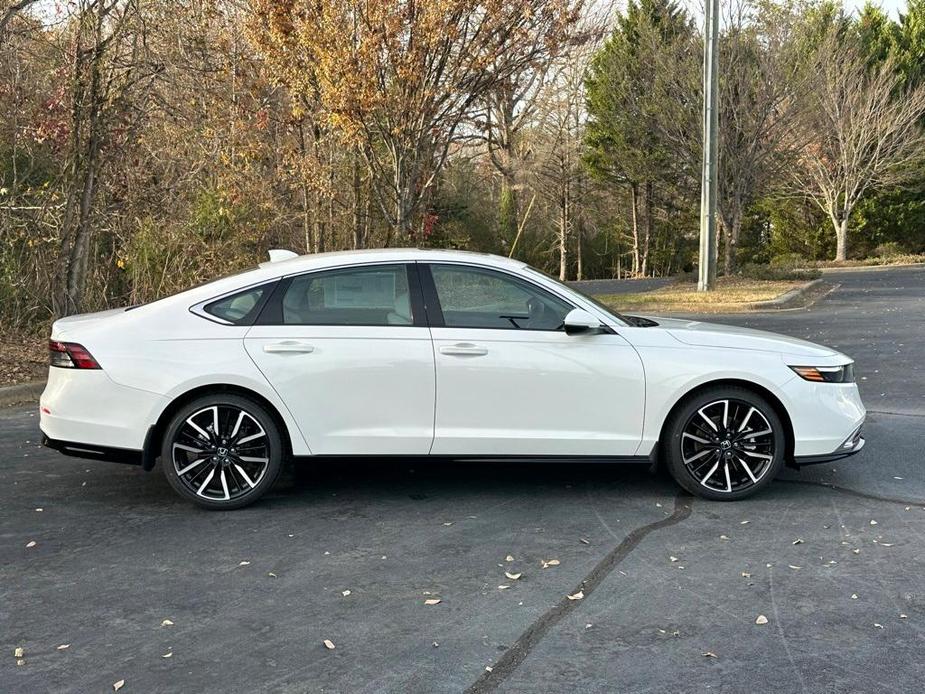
<point>854,492</point>
<point>527,641</point>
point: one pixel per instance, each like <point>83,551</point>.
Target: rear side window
<point>240,308</point>
<point>374,295</point>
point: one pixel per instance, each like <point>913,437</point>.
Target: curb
<point>21,393</point>
<point>787,300</point>
<point>866,268</point>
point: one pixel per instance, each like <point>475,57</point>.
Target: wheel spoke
<point>708,420</point>
<point>728,479</point>
<point>189,467</point>
<point>747,469</point>
<point>205,482</point>
<point>202,432</point>
<point>696,438</point>
<point>224,485</point>
<point>237,425</point>
<point>751,411</point>
<point>753,435</point>
<point>243,474</point>
<point>725,414</point>
<point>694,457</point>
<point>709,474</point>
<point>252,437</point>
<point>184,447</point>
<point>755,454</point>
<point>251,459</point>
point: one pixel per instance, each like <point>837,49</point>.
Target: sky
<point>892,7</point>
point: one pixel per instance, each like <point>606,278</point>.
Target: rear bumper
<point>93,452</point>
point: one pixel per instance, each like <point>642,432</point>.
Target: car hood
<point>700,334</point>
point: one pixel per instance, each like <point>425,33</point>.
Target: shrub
<point>890,249</point>
<point>789,261</point>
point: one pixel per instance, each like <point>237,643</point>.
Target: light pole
<point>707,266</point>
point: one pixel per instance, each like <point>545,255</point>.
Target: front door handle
<point>464,349</point>
<point>288,346</point>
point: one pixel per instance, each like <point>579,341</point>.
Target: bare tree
<point>863,130</point>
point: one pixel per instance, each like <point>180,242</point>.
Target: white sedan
<point>445,354</point>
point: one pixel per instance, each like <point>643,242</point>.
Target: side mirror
<point>579,321</point>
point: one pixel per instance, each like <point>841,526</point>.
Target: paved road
<point>836,570</point>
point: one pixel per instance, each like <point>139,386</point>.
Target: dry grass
<point>731,295</point>
<point>22,359</point>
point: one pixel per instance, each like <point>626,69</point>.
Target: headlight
<point>826,374</point>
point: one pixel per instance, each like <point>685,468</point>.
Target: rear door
<point>510,381</point>
<point>349,353</point>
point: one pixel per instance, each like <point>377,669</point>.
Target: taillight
<point>70,355</point>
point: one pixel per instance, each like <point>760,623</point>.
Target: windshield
<point>607,310</point>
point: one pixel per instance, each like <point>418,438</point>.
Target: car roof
<point>372,255</point>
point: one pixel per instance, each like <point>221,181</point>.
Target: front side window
<point>239,308</point>
<point>375,295</point>
<point>479,298</point>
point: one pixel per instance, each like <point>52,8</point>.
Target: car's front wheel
<point>222,451</point>
<point>725,443</point>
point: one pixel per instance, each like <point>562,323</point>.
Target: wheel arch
<point>151,449</point>
<point>779,409</point>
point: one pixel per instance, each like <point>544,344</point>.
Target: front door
<point>510,381</point>
<point>349,353</point>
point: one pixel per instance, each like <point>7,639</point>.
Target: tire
<point>724,462</point>
<point>227,470</point>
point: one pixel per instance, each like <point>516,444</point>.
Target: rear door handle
<point>464,349</point>
<point>288,346</point>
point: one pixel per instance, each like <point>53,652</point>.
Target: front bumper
<point>853,444</point>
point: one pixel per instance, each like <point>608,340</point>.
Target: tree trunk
<point>841,235</point>
<point>563,235</point>
<point>508,210</point>
<point>359,228</point>
<point>634,198</point>
<point>647,235</point>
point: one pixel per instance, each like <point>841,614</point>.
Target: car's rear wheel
<point>222,451</point>
<point>725,443</point>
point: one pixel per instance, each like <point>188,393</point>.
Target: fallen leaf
<point>550,562</point>
<point>448,523</point>
<point>856,551</point>
<point>166,623</point>
<point>20,661</point>
<point>761,619</point>
<point>345,593</point>
<point>744,522</point>
<point>509,558</point>
<point>432,601</point>
<point>873,522</point>
<point>30,544</point>
<point>511,576</point>
<point>503,587</point>
<point>879,626</point>
<point>271,574</point>
<point>488,668</point>
<point>902,616</point>
<point>795,568</point>
<point>588,626</point>
<point>39,510</point>
<point>584,541</point>
<point>436,645</point>
<point>116,686</point>
<point>798,541</point>
<point>169,654</point>
<point>670,558</point>
<point>709,654</point>
<point>328,644</point>
<point>244,563</point>
<point>576,596</point>
<point>18,652</point>
<point>723,537</point>
<point>745,574</point>
<point>854,596</point>
<point>63,646</point>
<point>887,544</point>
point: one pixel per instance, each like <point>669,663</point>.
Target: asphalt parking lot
<point>833,557</point>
